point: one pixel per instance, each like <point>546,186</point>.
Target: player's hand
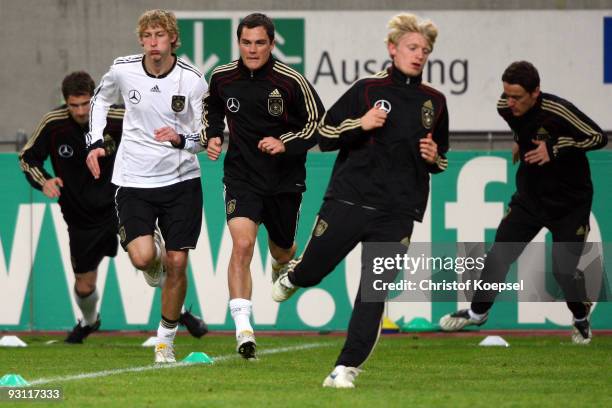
<point>214,148</point>
<point>515,153</point>
<point>429,149</point>
<point>374,118</point>
<point>539,155</point>
<point>167,134</point>
<point>92,161</point>
<point>52,186</point>
<point>271,145</point>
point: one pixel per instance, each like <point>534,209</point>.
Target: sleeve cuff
<point>181,144</point>
<point>96,145</point>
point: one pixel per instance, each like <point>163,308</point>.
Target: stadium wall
<point>47,39</point>
<point>466,204</point>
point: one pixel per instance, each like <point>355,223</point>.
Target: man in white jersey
<point>157,183</point>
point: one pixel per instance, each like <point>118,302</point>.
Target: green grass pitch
<point>404,371</point>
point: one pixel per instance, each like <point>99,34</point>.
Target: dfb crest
<point>427,114</point>
<point>275,103</point>
<point>178,103</point>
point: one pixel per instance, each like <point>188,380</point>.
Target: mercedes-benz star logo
<point>65,151</point>
<point>383,105</point>
<point>233,105</point>
<point>134,96</point>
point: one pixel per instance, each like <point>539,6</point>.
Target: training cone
<point>491,341</point>
<point>12,341</point>
<point>389,326</point>
<point>150,342</point>
<point>13,380</point>
<point>197,357</point>
<point>419,324</point>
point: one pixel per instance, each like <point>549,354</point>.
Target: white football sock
<point>241,313</point>
<point>165,335</point>
<point>87,305</point>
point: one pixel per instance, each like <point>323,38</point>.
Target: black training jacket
<point>273,101</point>
<point>85,202</point>
<point>564,183</point>
<point>383,168</point>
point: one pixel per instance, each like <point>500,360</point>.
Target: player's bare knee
<point>84,288</point>
<point>85,283</point>
<point>243,247</point>
<point>141,262</point>
<point>142,252</point>
<point>176,262</point>
<point>282,255</point>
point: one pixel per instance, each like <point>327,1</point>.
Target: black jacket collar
<point>538,105</point>
<point>258,73</point>
<point>401,78</point>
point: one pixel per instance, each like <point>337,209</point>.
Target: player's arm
<point>192,141</point>
<point>345,122</point>
<point>307,112</point>
<point>435,144</point>
<point>33,156</point>
<point>114,125</point>
<point>575,131</point>
<point>213,118</point>
<point>105,94</point>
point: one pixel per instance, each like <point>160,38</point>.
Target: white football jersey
<point>173,99</point>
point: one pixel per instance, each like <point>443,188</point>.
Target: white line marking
<point>225,357</point>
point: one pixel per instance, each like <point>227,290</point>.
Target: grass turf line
<point>415,371</point>
<point>178,364</point>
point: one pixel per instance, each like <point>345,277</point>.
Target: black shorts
<point>177,208</point>
<point>89,245</point>
<point>279,213</point>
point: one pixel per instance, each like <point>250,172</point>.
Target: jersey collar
<point>401,78</point>
<point>259,73</point>
<point>165,74</point>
